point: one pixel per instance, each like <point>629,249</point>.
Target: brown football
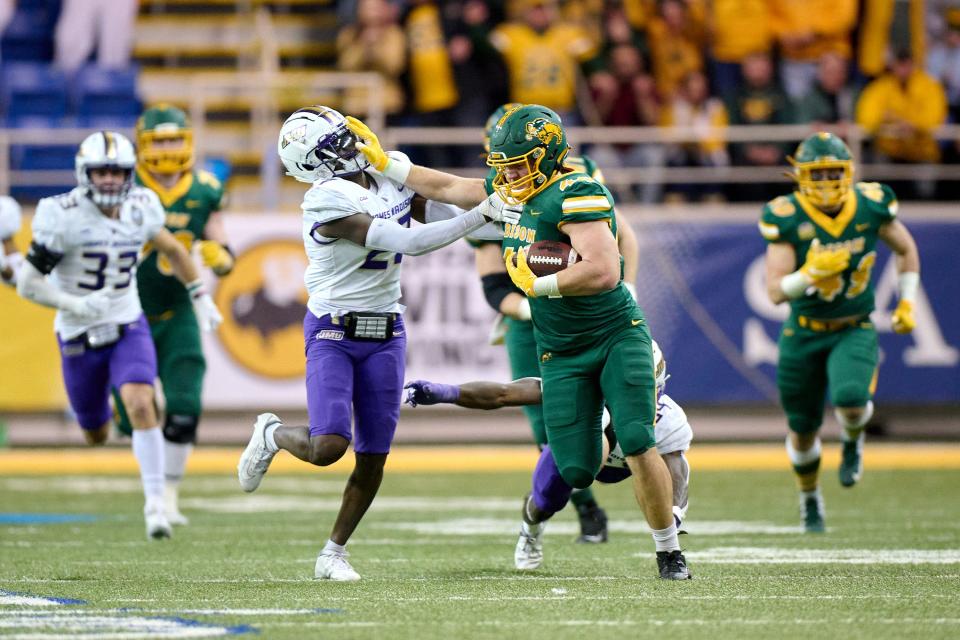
<point>547,257</point>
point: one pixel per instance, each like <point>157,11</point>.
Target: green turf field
<point>436,554</point>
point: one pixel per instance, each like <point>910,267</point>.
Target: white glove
<point>88,307</point>
<point>208,316</point>
<point>496,210</point>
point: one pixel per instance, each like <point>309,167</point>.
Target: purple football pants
<point>354,383</point>
<point>89,373</point>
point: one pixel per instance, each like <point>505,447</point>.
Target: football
<point>547,257</point>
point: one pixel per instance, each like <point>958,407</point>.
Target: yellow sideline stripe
<point>703,457</point>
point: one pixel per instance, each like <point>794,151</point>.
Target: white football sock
<point>666,539</point>
<point>148,449</point>
<point>531,529</point>
<point>333,547</point>
<point>800,458</point>
<point>175,456</point>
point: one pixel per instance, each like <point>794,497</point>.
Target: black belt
<point>367,325</point>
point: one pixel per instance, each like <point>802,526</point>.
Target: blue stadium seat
<point>102,96</point>
<point>29,36</point>
<point>33,93</point>
<point>31,157</point>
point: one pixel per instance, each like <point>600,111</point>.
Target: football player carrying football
<point>820,255</point>
<point>514,328</point>
<point>10,256</point>
<point>192,199</point>
<point>549,493</point>
<point>89,242</point>
<point>356,229</point>
<point>592,339</point>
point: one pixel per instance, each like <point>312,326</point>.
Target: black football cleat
<point>593,524</point>
<point>673,566</point>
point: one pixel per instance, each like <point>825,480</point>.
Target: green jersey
<point>189,204</point>
<point>792,219</point>
<point>574,322</point>
<point>580,164</point>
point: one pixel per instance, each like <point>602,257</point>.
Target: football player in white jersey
<point>82,262</point>
<point>10,257</point>
<point>356,230</point>
<point>549,493</point>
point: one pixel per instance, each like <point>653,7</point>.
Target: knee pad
<point>577,477</point>
<point>181,429</point>
<point>800,423</point>
<point>850,394</point>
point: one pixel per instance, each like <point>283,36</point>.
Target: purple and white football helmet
<point>315,144</point>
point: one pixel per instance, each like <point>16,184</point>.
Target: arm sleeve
<point>33,285</point>
<point>10,217</point>
<point>387,235</point>
<point>437,211</point>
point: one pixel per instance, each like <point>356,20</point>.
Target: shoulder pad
<point>331,200</point>
<point>581,193</point>
<point>209,180</point>
<point>881,196</point>
<point>776,218</point>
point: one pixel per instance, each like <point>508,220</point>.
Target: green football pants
<point>617,371</point>
<point>811,361</point>
<point>524,363</point>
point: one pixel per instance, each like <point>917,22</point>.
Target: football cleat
<point>256,457</point>
<point>528,554</point>
<point>158,527</point>
<point>811,513</point>
<point>851,461</point>
<point>593,524</point>
<point>334,566</point>
<point>673,566</point>
<point>171,507</point>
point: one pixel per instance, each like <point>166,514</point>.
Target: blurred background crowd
<point>892,67</point>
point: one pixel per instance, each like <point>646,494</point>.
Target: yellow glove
<point>520,273</point>
<point>824,263</point>
<point>368,145</point>
<point>215,256</point>
<point>902,319</point>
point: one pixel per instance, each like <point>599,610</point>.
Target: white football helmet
<point>659,368</point>
<point>105,149</point>
<point>315,144</point>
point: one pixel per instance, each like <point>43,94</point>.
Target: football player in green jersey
<point>513,326</point>
<point>821,251</point>
<point>592,338</point>
<point>192,199</point>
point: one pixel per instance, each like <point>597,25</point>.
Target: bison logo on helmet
<point>544,130</point>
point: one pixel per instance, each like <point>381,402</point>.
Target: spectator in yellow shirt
<point>692,106</point>
<point>542,56</point>
<point>676,38</point>
<point>901,109</point>
<point>374,43</point>
<point>806,30</point>
<point>737,29</point>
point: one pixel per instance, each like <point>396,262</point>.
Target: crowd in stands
<point>891,66</point>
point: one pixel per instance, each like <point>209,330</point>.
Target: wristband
<point>195,288</point>
<point>547,286</point>
<point>795,284</point>
<point>397,170</point>
<point>907,285</point>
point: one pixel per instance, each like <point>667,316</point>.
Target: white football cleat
<point>171,507</point>
<point>529,552</point>
<point>256,457</point>
<point>334,566</point>
<point>158,527</point>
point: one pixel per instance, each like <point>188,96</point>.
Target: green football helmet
<point>156,128</point>
<point>823,169</point>
<point>527,146</point>
<point>492,121</point>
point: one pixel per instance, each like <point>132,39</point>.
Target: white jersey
<point>343,276</point>
<point>9,217</point>
<point>97,251</point>
<point>672,431</point>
